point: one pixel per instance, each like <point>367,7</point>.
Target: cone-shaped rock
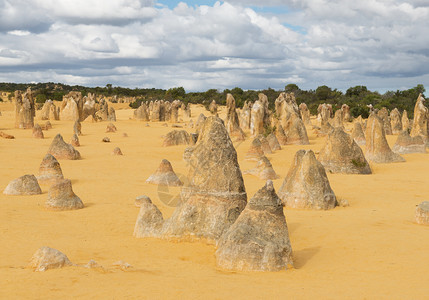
<point>274,142</point>
<point>49,170</point>
<point>255,151</point>
<point>306,185</point>
<point>48,258</point>
<point>24,185</point>
<point>215,195</point>
<point>405,121</point>
<point>37,132</point>
<point>117,151</point>
<point>420,122</point>
<point>164,175</point>
<point>259,239</point>
<point>265,145</point>
<point>142,113</point>
<point>177,137</point>
<point>149,220</point>
<point>357,134</point>
<point>213,107</point>
<point>406,144</point>
<point>263,170</point>
<point>77,127</point>
<point>341,154</point>
<point>75,141</point>
<point>232,123</point>
<point>281,135</point>
<point>62,150</point>
<point>111,128</point>
<point>305,113</point>
<point>422,213</point>
<point>384,116</point>
<point>377,148</point>
<point>395,120</point>
<point>338,118</point>
<point>62,197</point>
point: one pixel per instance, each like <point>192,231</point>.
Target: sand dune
<point>371,249</point>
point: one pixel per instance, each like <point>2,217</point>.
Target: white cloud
<point>378,43</point>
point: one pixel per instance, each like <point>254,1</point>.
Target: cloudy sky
<point>383,44</point>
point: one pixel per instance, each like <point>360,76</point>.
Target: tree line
<point>357,97</point>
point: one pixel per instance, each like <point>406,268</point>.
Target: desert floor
<point>370,250</point>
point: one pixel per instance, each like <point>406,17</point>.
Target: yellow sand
<point>372,249</point>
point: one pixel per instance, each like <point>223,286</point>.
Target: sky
<point>199,45</point>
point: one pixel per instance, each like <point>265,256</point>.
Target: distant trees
<point>357,97</point>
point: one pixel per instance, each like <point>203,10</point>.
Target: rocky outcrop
<point>177,137</point>
<point>259,239</point>
<point>49,170</point>
<point>255,151</point>
<point>406,144</point>
<point>420,122</point>
<point>62,150</point>
<point>383,114</point>
<point>117,151</point>
<point>48,258</point>
<point>305,113</point>
<point>273,142</point>
<point>377,148</point>
<point>341,154</point>
<point>263,170</point>
<point>213,108</point>
<point>422,213</point>
<point>75,141</point>
<point>290,119</point>
<point>405,121</point>
<point>111,116</point>
<point>357,134</point>
<point>306,185</point>
<point>149,220</point>
<point>71,107</point>
<point>37,132</point>
<point>24,185</point>
<point>396,123</point>
<point>165,175</point>
<point>257,119</point>
<point>62,197</point>
<point>77,128</point>
<point>25,110</point>
<point>346,113</point>
<point>215,195</point>
<point>265,145</point>
<point>111,127</point>
<point>142,113</point>
<point>232,124</point>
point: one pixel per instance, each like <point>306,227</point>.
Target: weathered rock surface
<point>422,213</point>
<point>75,141</point>
<point>263,170</point>
<point>24,185</point>
<point>142,113</point>
<point>62,197</point>
<point>165,175</point>
<point>273,142</point>
<point>49,170</point>
<point>346,113</point>
<point>305,113</point>
<point>259,239</point>
<point>290,120</point>
<point>213,107</point>
<point>396,123</point>
<point>377,148</point>
<point>62,150</point>
<point>341,154</point>
<point>306,185</point>
<point>215,195</point>
<point>48,258</point>
<point>405,121</point>
<point>406,144</point>
<point>25,111</point>
<point>265,145</point>
<point>177,137</point>
<point>149,220</point>
<point>255,151</point>
<point>357,134</point>
<point>257,119</point>
<point>117,151</point>
<point>37,132</point>
<point>232,124</point>
<point>111,127</point>
<point>420,122</point>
